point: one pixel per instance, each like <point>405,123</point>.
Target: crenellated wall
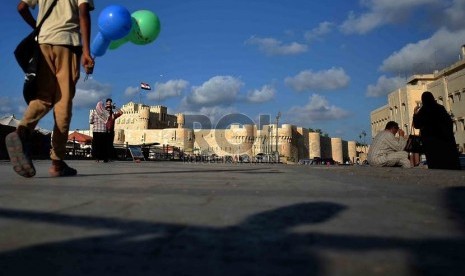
<point>140,117</point>
<point>142,124</point>
<point>325,147</point>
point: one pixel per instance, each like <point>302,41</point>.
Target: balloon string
<point>91,71</point>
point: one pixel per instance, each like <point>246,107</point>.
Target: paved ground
<point>167,218</point>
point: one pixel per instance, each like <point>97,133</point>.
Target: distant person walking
<point>387,150</point>
<point>437,134</point>
<point>103,121</point>
<point>64,44</point>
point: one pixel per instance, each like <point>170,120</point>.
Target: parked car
<point>324,161</point>
<point>318,161</point>
<point>259,157</point>
<point>244,158</point>
<point>305,161</point>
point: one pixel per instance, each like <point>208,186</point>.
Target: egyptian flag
<point>145,86</point>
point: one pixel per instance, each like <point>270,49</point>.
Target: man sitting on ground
<point>387,150</point>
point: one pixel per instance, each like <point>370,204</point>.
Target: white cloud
<point>317,109</point>
<point>212,114</point>
<point>382,12</point>
<point>453,15</point>
<point>265,94</point>
<point>316,33</point>
<point>169,89</point>
<point>219,90</point>
<point>330,79</point>
<point>273,47</point>
<point>385,86</point>
<point>89,92</point>
<point>12,106</point>
<point>131,91</point>
<point>361,24</point>
<point>215,113</point>
<point>436,52</point>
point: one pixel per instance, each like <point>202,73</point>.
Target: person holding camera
<point>387,150</point>
<point>437,134</point>
<point>103,120</point>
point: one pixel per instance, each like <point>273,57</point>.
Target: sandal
<point>18,151</point>
<point>60,168</point>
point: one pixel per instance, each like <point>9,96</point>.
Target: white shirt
<point>383,144</point>
<point>62,25</point>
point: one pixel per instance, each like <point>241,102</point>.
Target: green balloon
<point>145,27</point>
<point>115,44</point>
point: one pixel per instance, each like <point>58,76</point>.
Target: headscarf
<point>101,112</point>
<point>432,118</point>
<point>427,99</point>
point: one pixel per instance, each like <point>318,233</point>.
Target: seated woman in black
<point>436,130</point>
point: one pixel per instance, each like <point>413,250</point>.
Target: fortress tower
<point>315,145</point>
<point>336,148</point>
<point>144,117</point>
<point>287,148</point>
<point>180,120</point>
<point>351,151</point>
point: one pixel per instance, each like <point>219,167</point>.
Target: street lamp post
<point>270,149</point>
<point>277,121</point>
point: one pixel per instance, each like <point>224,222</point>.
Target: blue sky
<point>322,64</point>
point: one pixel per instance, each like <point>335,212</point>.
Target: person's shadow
<point>262,245</point>
<point>268,243</point>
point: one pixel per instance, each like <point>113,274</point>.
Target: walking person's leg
<point>18,143</point>
<point>66,65</point>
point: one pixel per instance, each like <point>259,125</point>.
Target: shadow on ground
<point>261,245</point>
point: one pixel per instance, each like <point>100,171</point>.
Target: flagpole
<point>158,96</point>
<point>140,92</point>
<point>143,86</point>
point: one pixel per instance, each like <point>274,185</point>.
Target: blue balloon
<point>99,45</point>
<point>114,22</point>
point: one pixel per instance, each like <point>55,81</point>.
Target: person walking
<point>103,129</point>
<point>437,134</point>
<point>64,41</point>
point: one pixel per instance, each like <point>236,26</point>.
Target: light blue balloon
<point>99,45</point>
<point>114,22</point>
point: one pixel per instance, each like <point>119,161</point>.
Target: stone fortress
<point>448,88</point>
<point>143,124</point>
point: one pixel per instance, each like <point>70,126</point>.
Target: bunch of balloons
<point>117,26</point>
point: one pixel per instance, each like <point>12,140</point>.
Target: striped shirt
<point>98,124</point>
<point>383,144</point>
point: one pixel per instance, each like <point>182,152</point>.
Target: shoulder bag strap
<point>49,11</point>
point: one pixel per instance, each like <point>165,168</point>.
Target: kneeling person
<point>387,150</point>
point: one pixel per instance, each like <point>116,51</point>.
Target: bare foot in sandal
<point>60,168</point>
<point>18,147</point>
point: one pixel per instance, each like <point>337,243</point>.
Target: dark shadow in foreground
<point>263,244</point>
<point>259,246</point>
